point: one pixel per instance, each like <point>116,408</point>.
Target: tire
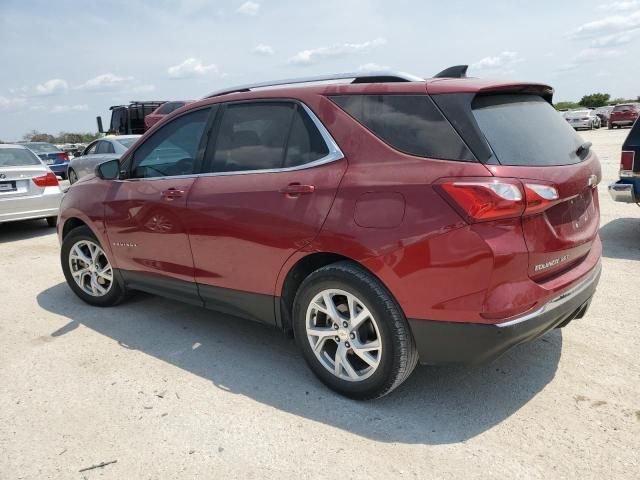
<point>397,354</point>
<point>609,126</point>
<point>115,291</point>
<point>52,221</point>
<point>73,177</point>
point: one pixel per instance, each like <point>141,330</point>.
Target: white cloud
<point>612,40</point>
<point>588,56</point>
<point>52,87</point>
<point>372,67</point>
<point>10,103</point>
<point>190,68</point>
<point>107,82</point>
<point>262,49</point>
<point>249,8</point>
<point>607,26</point>
<point>307,57</point>
<point>69,108</point>
<point>623,6</point>
<point>501,62</point>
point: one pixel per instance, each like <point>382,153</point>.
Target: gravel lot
<point>173,391</point>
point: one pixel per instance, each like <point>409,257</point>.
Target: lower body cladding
<point>625,190</point>
<point>447,343</point>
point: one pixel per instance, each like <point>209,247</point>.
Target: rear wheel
<point>73,178</point>
<point>88,270</point>
<point>352,333</point>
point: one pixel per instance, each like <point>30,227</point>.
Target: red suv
<point>624,115</point>
<point>382,218</point>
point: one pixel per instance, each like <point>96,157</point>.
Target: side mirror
<point>99,121</point>
<point>109,170</point>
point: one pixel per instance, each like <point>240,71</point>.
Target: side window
<point>252,136</point>
<point>409,123</point>
<point>305,144</point>
<point>91,149</point>
<point>104,147</point>
<point>172,150</point>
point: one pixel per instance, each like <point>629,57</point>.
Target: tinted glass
<point>526,130</point>
<point>622,108</point>
<point>252,136</point>
<point>104,147</point>
<point>169,107</point>
<point>409,123</point>
<point>42,147</point>
<point>305,142</point>
<point>17,157</point>
<point>91,149</point>
<point>127,142</point>
<point>172,150</point>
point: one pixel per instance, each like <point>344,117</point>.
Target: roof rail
<point>358,77</point>
<point>459,71</point>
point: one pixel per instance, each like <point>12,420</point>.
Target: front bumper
<point>446,343</point>
<point>622,191</point>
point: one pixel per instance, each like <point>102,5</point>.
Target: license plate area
<point>8,186</point>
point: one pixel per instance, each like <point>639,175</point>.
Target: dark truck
<point>129,119</point>
<point>627,189</point>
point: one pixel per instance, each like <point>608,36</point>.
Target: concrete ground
<point>172,391</point>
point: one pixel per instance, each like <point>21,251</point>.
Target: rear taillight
<point>48,180</point>
<point>481,200</point>
<point>64,156</point>
<point>626,161</point>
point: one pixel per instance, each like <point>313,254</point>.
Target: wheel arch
<point>72,223</point>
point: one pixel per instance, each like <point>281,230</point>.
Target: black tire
<point>73,177</point>
<point>399,354</point>
<point>52,221</point>
<point>116,293</point>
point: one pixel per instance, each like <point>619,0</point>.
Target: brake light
<point>64,156</point>
<point>626,160</point>
<point>48,180</point>
<point>482,200</point>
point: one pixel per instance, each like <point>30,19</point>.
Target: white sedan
<point>582,119</point>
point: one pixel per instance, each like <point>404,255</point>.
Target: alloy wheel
<point>90,268</point>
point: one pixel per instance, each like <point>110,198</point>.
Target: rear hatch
<point>524,141</point>
<point>18,168</point>
<point>624,113</point>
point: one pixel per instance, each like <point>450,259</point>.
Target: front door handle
<point>172,194</point>
<point>295,189</point>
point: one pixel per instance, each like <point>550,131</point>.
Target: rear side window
<point>524,130</point>
<point>17,157</point>
<point>169,107</point>
<point>305,144</point>
<point>105,147</point>
<point>409,123</point>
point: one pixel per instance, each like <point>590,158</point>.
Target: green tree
<point>36,136</point>
<point>595,100</point>
<point>566,105</point>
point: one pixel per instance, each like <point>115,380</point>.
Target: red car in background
<point>381,217</point>
<point>624,115</point>
<point>162,111</point>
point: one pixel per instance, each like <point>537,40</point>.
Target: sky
<point>64,62</point>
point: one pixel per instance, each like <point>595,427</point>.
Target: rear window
<point>169,107</point>
<point>524,130</point>
<point>42,147</point>
<point>127,142</point>
<point>17,157</point>
<point>409,123</point>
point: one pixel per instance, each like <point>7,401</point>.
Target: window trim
<point>334,154</point>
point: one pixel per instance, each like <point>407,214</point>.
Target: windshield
<point>526,130</point>
<point>127,142</point>
<point>17,157</point>
<point>42,147</point>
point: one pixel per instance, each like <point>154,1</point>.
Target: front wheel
<point>352,333</point>
<point>73,177</point>
<point>88,270</point>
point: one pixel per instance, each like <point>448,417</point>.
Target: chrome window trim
<point>334,155</point>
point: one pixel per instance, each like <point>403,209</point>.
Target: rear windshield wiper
<point>583,148</point>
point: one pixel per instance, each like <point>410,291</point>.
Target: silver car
<point>28,188</point>
<point>582,119</point>
<point>97,152</point>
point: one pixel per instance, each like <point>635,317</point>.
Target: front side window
<point>172,150</point>
<point>262,135</point>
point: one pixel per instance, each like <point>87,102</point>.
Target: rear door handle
<point>295,189</point>
<point>172,194</point>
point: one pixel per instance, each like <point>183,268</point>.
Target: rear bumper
<point>37,206</point>
<point>622,191</point>
<point>446,343</point>
<point>622,122</point>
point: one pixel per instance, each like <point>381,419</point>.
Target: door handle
<point>295,189</point>
<point>171,194</point>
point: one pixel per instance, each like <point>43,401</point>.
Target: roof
<point>12,145</point>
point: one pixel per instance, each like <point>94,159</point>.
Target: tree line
<point>62,137</point>
<point>594,100</point>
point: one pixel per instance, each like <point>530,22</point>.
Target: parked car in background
<point>624,115</point>
<point>582,119</point>
<point>627,189</point>
<point>349,209</point>
<point>28,188</point>
<point>56,159</point>
<point>107,148</point>
<point>162,111</point>
<point>129,119</point>
<point>603,113</point>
